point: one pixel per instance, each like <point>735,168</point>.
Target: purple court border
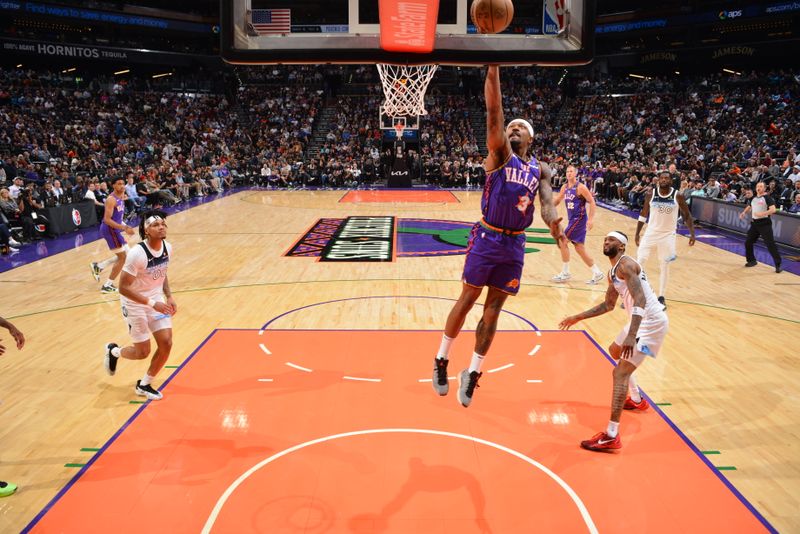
<point>762,254</point>
<point>111,440</point>
<point>693,447</point>
<point>533,326</point>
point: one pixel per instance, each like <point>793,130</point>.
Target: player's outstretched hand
<point>163,308</point>
<point>691,240</point>
<point>171,302</point>
<point>627,347</point>
<point>568,322</point>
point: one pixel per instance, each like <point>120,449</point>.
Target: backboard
<point>543,32</point>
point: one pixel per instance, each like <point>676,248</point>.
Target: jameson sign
<point>786,227</point>
<point>61,50</point>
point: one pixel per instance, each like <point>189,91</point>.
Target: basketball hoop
<point>404,88</point>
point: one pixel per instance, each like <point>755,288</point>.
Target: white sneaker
<point>14,243</point>
<point>596,278</point>
<point>561,277</point>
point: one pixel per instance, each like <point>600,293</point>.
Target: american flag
<point>270,21</point>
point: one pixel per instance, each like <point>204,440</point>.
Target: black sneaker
<point>467,382</point>
<point>109,360</point>
<point>440,383</point>
<point>751,263</point>
<point>778,268</point>
<point>663,302</point>
<point>148,391</point>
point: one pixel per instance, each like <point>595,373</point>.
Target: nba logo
<point>76,217</point>
<point>554,17</point>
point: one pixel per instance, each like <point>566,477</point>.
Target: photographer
<point>33,224</point>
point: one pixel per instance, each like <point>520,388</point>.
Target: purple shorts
<point>494,260</point>
<point>576,231</point>
<point>113,237</point>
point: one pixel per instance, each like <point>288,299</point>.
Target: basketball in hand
<point>491,16</point>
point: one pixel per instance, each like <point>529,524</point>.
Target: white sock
<point>613,429</point>
<point>596,269</point>
<point>116,352</point>
<point>444,348</point>
<point>145,381</point>
<point>565,268</point>
<point>105,263</point>
<point>664,277</point>
<point>476,362</point>
<point>633,389</point>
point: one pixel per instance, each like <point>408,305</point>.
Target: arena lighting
<point>637,76</point>
<point>162,75</point>
<point>729,71</point>
<point>677,72</point>
<point>19,66</point>
<point>124,71</point>
<point>69,70</point>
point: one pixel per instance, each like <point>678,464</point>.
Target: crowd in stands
<point>63,141</point>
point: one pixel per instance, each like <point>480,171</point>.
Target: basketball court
<point>339,431</point>
<point>298,395</point>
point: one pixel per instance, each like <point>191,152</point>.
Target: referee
<point>762,206</point>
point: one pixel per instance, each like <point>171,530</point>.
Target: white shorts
<point>664,245</point>
<point>649,337</point>
<point>144,320</point>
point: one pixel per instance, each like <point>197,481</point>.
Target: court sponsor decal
<point>414,238</point>
<point>362,238</point>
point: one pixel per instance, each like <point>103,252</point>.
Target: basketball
<point>491,16</point>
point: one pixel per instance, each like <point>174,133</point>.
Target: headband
<point>150,220</point>
<point>525,123</point>
<point>616,235</point>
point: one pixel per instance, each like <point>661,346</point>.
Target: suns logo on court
<point>524,202</point>
<point>416,238</point>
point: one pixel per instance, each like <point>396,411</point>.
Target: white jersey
<point>149,268</point>
<point>663,213</point>
<point>652,308</point>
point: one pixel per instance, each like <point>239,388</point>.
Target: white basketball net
<point>404,87</point>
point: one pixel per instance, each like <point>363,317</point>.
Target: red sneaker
<point>602,442</point>
<point>641,406</point>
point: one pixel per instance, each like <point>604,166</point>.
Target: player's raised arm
<point>496,139</point>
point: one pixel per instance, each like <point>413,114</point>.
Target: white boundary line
<point>535,350</point>
<point>212,517</point>
<point>260,332</point>
<point>431,380</point>
<point>500,368</point>
<point>538,333</point>
<point>362,379</point>
<point>533,381</point>
<point>265,380</point>
<point>306,369</point>
<point>265,349</point>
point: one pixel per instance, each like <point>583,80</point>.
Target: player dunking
<point>496,248</point>
<point>662,207</point>
<point>147,303</point>
<point>111,228</point>
<point>580,218</point>
<point>642,336</point>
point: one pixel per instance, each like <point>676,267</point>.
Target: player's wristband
<point>636,310</point>
<point>642,219</point>
<point>152,303</point>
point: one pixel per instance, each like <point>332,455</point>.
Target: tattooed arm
<point>628,271</point>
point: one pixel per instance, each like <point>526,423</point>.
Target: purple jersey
<point>508,195</point>
<point>576,204</point>
<point>576,215</point>
<point>114,237</point>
